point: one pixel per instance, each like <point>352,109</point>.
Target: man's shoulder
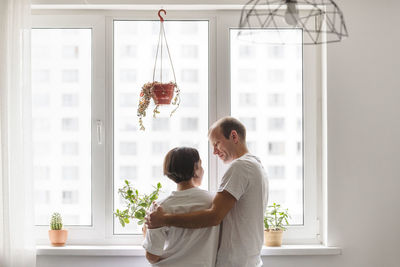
<point>246,160</point>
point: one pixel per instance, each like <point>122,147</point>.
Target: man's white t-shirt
<point>180,246</point>
<point>243,227</point>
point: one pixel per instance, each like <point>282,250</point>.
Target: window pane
<point>139,155</point>
<point>267,97</point>
<point>61,102</point>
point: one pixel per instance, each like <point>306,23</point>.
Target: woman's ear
<point>196,168</point>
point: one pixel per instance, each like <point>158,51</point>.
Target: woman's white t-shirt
<point>181,246</point>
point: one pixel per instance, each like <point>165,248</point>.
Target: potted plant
<point>57,235</point>
<point>274,219</point>
<point>136,204</point>
<point>161,93</point>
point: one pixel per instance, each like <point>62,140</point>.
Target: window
<point>189,75</point>
<point>161,124</point>
<point>70,52</point>
<point>248,99</point>
<point>40,100</point>
<point>189,51</point>
<point>276,172</point>
<point>70,124</point>
<point>128,51</point>
<point>70,197</point>
<point>187,126</point>
<point>128,172</point>
<point>70,100</point>
<point>250,123</point>
<point>282,142</point>
<point>41,172</point>
<point>276,148</point>
<point>61,128</point>
<point>87,140</point>
<point>70,148</point>
<point>160,147</point>
<point>127,148</point>
<point>276,100</point>
<point>276,124</point>
<point>190,100</point>
<point>70,172</point>
<point>70,76</point>
<point>128,76</point>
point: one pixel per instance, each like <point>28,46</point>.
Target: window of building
<point>189,124</point>
<point>70,100</point>
<point>70,51</point>
<point>70,172</point>
<point>96,130</point>
<point>70,148</point>
<point>70,76</point>
<point>276,100</point>
<point>276,124</point>
<point>127,148</point>
<point>276,148</point>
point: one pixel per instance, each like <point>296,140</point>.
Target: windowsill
<point>286,250</point>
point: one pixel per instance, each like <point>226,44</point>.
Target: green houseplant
<point>135,204</point>
<point>274,220</point>
<point>57,235</point>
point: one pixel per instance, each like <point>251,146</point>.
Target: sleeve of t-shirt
<point>155,240</point>
<point>234,181</point>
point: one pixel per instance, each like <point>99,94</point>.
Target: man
<point>239,204</point>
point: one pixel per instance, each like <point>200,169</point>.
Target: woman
<point>172,246</point>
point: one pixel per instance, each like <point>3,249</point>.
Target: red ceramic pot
<point>162,93</point>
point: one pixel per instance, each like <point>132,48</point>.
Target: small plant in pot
<point>274,220</point>
<point>136,204</point>
<point>57,235</point>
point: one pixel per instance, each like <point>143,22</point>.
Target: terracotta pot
<point>273,238</point>
<point>58,237</point>
<point>162,93</point>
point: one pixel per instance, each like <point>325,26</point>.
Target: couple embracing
<point>192,227</point>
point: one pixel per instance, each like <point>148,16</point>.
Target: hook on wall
<point>159,15</point>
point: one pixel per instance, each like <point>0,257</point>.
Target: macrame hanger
<point>160,47</point>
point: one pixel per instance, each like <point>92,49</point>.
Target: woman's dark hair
<point>179,163</point>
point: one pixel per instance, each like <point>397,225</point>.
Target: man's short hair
<point>227,124</point>
<point>179,163</point>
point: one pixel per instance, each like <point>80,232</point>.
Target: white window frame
<point>94,233</point>
<point>101,232</point>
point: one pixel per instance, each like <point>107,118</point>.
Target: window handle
<point>99,125</point>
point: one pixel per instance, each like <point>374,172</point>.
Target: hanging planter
<point>162,93</point>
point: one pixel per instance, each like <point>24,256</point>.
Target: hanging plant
<point>161,93</point>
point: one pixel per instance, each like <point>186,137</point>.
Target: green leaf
<point>139,215</point>
<point>121,221</point>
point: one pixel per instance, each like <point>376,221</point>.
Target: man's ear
<point>235,136</point>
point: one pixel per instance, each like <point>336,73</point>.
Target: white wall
<point>363,146</point>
